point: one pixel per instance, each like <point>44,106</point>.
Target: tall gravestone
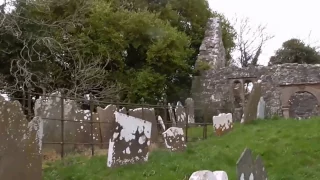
<point>181,115</point>
<point>130,141</point>
<point>171,115</point>
<point>21,143</point>
<point>190,110</point>
<point>107,119</point>
<point>250,111</point>
<point>261,108</point>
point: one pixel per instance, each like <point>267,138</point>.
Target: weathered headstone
<point>130,141</point>
<point>21,143</point>
<point>222,123</point>
<point>190,110</point>
<point>161,123</point>
<point>250,111</point>
<point>49,109</point>
<point>261,108</point>
<point>147,114</point>
<point>174,139</point>
<point>107,119</point>
<point>248,169</point>
<point>209,175</point>
<point>123,110</point>
<point>181,115</point>
<point>171,115</point>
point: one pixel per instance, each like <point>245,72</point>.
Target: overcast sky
<point>285,19</point>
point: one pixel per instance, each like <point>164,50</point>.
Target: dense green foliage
<point>295,51</point>
<point>127,49</point>
<point>289,149</point>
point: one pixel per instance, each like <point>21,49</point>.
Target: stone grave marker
<point>161,123</point>
<point>190,110</point>
<point>123,110</point>
<point>107,119</point>
<point>222,123</point>
<point>261,108</point>
<point>21,143</point>
<point>250,111</point>
<point>130,141</point>
<point>209,175</point>
<point>181,115</point>
<point>174,139</point>
<point>248,168</point>
<point>171,115</point>
<point>147,114</point>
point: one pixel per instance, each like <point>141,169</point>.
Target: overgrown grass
<point>290,150</point>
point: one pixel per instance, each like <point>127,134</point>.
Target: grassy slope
<point>290,150</point>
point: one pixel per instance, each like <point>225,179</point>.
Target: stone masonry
<point>213,88</point>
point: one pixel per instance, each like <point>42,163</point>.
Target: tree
<point>250,42</point>
<point>295,51</point>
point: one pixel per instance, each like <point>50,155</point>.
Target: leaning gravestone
<point>174,139</point>
<point>209,175</point>
<point>161,123</point>
<point>222,123</point>
<point>261,108</point>
<point>130,141</point>
<point>147,114</point>
<point>21,143</point>
<point>181,115</point>
<point>107,119</point>
<point>248,169</point>
<point>250,111</point>
<point>171,115</point>
<point>190,110</point>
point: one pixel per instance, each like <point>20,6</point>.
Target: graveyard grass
<point>290,150</point>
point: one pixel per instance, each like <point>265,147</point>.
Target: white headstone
<point>209,175</point>
<point>261,108</point>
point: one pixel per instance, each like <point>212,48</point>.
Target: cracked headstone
<point>149,115</point>
<point>174,139</point>
<point>21,143</point>
<point>130,141</point>
<point>161,123</point>
<point>222,123</point>
<point>190,110</point>
<point>261,108</point>
<point>181,115</point>
<point>249,169</point>
<point>107,119</point>
<point>171,115</point>
<point>209,175</point>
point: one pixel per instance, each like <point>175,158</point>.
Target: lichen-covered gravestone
<point>250,111</point>
<point>20,147</point>
<point>222,123</point>
<point>190,110</point>
<point>130,141</point>
<point>174,139</point>
<point>181,115</point>
<point>209,175</point>
<point>147,114</point>
<point>171,115</point>
<point>248,169</point>
<point>161,123</point>
<point>261,108</point>
<point>107,119</point>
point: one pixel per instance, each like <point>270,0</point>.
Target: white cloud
<point>285,19</point>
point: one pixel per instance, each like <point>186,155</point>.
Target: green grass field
<point>290,150</point>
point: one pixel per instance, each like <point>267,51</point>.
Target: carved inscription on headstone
<point>107,119</point>
<point>174,139</point>
<point>147,114</point>
<point>20,147</point>
<point>248,169</point>
<point>130,141</point>
<point>190,110</point>
<point>181,115</point>
<point>222,123</point>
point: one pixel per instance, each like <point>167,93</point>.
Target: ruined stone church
<point>289,90</point>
